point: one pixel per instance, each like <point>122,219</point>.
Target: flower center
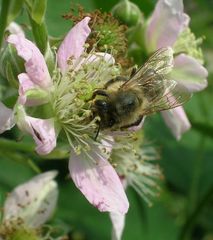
<point>72,94</point>
<point>187,43</point>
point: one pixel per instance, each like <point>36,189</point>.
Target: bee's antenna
<point>97,133</point>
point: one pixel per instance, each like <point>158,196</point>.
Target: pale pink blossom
<point>36,77</point>
<point>177,121</point>
<point>93,175</point>
<point>7,118</point>
<point>163,28</point>
<point>73,44</point>
<point>98,181</point>
<point>42,131</point>
<point>34,201</point>
<point>35,65</point>
<point>15,28</point>
<point>118,220</point>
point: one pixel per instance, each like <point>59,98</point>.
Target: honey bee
<point>123,102</point>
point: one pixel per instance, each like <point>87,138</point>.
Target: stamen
<point>134,161</point>
<point>72,91</point>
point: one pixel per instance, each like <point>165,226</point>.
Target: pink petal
<point>25,85</point>
<point>35,65</point>
<point>7,120</point>
<point>42,131</point>
<point>98,181</point>
<point>165,24</point>
<point>73,44</point>
<point>33,201</point>
<point>118,222</point>
<point>190,73</point>
<point>177,121</point>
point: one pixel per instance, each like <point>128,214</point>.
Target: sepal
<point>128,13</point>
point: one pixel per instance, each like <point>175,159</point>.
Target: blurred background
<point>184,209</point>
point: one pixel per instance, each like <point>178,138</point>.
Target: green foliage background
<point>184,210</point>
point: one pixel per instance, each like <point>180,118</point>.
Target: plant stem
<point>3,18</point>
<point>194,192</point>
<point>40,34</point>
<point>10,145</point>
<point>193,195</point>
<point>194,206</point>
<point>193,216</point>
<point>7,144</point>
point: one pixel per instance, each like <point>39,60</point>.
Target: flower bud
<point>127,12</point>
<point>135,34</point>
<point>136,53</point>
<point>50,59</point>
<point>11,65</point>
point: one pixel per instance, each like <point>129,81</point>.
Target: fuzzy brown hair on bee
<point>123,102</point>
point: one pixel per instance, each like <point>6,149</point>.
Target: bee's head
<point>105,110</point>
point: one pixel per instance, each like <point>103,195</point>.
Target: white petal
<point>15,28</point>
<point>95,57</point>
<point>33,201</point>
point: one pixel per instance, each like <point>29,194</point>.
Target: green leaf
<point>39,10</point>
<point>15,8</point>
<point>10,76</point>
<point>203,128</point>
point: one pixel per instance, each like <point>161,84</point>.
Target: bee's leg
<point>100,92</point>
<point>116,79</point>
<point>136,123</point>
<point>98,131</point>
<point>134,70</point>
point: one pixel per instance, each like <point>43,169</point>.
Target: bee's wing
<point>159,64</point>
<point>160,92</point>
<point>174,95</point>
